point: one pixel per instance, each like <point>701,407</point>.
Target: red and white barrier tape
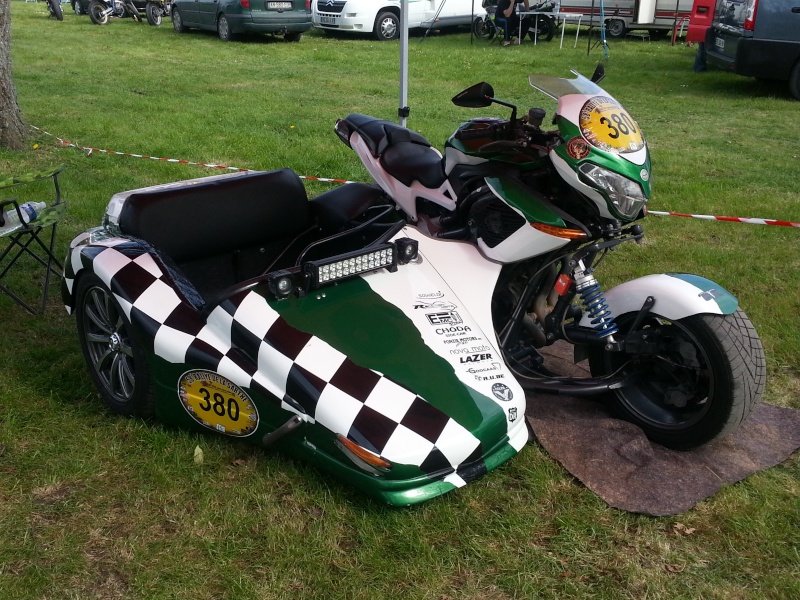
<point>89,151</point>
<point>749,220</point>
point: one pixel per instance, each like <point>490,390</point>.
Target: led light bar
<point>329,270</point>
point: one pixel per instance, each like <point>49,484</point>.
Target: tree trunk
<point>12,128</point>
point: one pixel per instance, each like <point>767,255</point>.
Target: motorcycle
<point>672,353</point>
<point>100,11</point>
<point>540,27</point>
<point>54,8</point>
<point>156,10</point>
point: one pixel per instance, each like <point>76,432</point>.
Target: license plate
<point>327,20</point>
<point>279,5</point>
<point>719,43</point>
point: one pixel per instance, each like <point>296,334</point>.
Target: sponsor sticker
<point>502,392</point>
<point>609,127</point>
<point>449,317</point>
<point>217,403</point>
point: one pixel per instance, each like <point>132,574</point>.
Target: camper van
<point>622,16</point>
<point>381,18</point>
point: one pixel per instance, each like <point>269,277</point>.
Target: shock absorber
<point>594,301</point>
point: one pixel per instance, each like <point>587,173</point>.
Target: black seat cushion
<point>379,134</point>
<point>408,162</point>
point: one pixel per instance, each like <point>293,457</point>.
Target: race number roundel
<point>609,127</point>
<point>217,403</point>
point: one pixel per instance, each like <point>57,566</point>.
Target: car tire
<point>293,36</point>
<point>78,8</point>
<point>115,358</point>
<point>97,13</point>
<point>224,29</point>
<point>615,28</point>
<point>177,21</point>
<point>387,27</point>
<point>794,81</point>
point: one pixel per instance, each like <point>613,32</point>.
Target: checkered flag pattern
<point>246,341</point>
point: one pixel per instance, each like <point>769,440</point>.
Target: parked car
<point>757,38</point>
<point>229,18</point>
<point>381,18</point>
<point>81,7</point>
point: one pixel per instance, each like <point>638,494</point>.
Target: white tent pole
<point>403,109</point>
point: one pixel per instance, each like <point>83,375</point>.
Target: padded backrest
<point>210,218</point>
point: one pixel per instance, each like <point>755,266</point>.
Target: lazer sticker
<point>217,403</point>
<point>609,127</point>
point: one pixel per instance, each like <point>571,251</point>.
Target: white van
<point>382,17</point>
<point>622,16</point>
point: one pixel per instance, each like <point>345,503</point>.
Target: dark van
<point>757,38</point>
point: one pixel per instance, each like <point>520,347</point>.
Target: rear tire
<point>177,21</point>
<point>483,28</point>
<point>546,29</point>
<point>115,359</point>
<point>706,378</point>
<point>224,29</point>
<point>54,7</point>
<point>293,37</point>
<point>97,13</point>
<point>154,13</point>
<point>78,8</point>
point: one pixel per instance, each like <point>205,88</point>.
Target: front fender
<point>677,295</point>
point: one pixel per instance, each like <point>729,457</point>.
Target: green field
<point>94,506</point>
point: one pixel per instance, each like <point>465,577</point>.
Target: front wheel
<point>54,7</point>
<point>794,81</point>
<point>615,28</point>
<point>98,13</point>
<point>387,27</point>
<point>154,12</point>
<point>483,28</point>
<point>116,361</point>
<point>541,30</point>
<point>177,21</point>
<point>703,377</point>
<point>224,29</point>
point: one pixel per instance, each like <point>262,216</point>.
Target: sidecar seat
<point>219,230</point>
<point>403,153</point>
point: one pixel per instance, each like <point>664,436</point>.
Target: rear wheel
<point>705,377</point>
<point>387,27</point>
<point>541,30</point>
<point>293,37</point>
<point>155,13</point>
<point>483,28</point>
<point>54,7</point>
<point>78,7</point>
<point>116,361</point>
<point>224,29</point>
<point>97,13</point>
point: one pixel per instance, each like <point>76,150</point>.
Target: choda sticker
<point>217,403</point>
<point>609,127</point>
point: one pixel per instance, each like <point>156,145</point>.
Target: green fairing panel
<point>519,196</point>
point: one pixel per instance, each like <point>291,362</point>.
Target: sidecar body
<point>326,328</point>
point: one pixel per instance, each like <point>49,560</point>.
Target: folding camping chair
<point>30,239</point>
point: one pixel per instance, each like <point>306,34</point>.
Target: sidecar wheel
<point>705,379</point>
<point>97,14</point>
<point>115,359</point>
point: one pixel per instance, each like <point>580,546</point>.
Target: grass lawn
<point>98,507</point>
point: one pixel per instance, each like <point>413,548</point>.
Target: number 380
<point>219,404</point>
<point>618,124</point>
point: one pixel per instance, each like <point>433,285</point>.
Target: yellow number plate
<point>608,126</point>
<point>217,403</point>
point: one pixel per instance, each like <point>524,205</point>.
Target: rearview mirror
<point>479,95</point>
<point>599,73</point>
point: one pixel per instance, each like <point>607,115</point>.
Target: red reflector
<point>245,3</point>
<point>750,15</point>
<point>562,284</point>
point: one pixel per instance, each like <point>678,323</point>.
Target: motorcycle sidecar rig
<point>234,304</point>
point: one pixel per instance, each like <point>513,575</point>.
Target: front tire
<point>387,27</point>
<point>293,36</point>
<point>615,28</point>
<point>705,378</point>
<point>224,29</point>
<point>177,21</point>
<point>116,361</point>
<point>543,30</point>
<point>97,13</point>
<point>483,28</point>
<point>54,7</point>
<point>78,8</point>
<point>794,81</point>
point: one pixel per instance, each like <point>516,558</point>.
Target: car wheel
<point>97,13</point>
<point>116,361</point>
<point>293,37</point>
<point>387,27</point>
<point>794,81</point>
<point>224,29</point>
<point>615,28</point>
<point>177,21</point>
<point>78,7</point>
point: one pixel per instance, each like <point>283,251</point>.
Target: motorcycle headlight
<point>625,195</point>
